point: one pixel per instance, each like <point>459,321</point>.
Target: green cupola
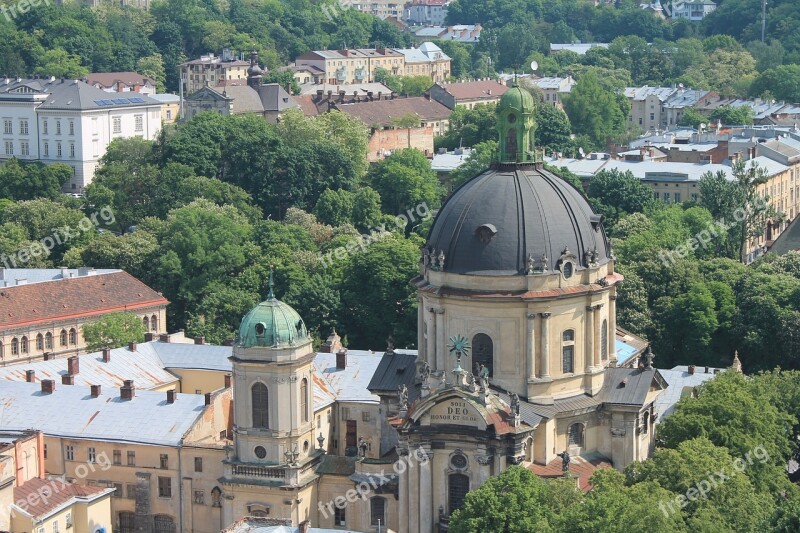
<point>272,324</point>
<point>515,126</point>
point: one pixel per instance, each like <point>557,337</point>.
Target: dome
<point>271,323</point>
<point>518,99</point>
<point>497,221</point>
<point>254,70</point>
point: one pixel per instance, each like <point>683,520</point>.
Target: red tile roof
<point>40,497</point>
<point>70,298</point>
<point>382,112</point>
<point>582,467</point>
<point>471,90</point>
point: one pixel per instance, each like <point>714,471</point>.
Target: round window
<point>260,328</point>
<point>261,452</point>
<point>458,461</point>
<point>512,118</point>
<point>566,269</point>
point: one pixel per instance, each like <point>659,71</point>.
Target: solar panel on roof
<point>104,102</point>
<point>121,101</point>
<point>137,100</point>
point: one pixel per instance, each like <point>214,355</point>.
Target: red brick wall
<point>389,140</point>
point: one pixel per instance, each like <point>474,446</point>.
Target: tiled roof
<point>474,90</point>
<point>72,412</point>
<point>110,79</point>
<point>381,113</point>
<point>52,495</point>
<point>581,466</point>
<point>72,95</point>
<point>79,297</point>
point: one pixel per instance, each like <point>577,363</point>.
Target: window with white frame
<point>9,147</point>
<point>44,126</point>
<point>58,127</point>
<point>92,455</point>
<point>58,149</point>
<point>72,127</point>
<point>72,149</point>
<point>69,451</point>
<point>23,126</point>
<point>138,123</point>
<point>8,128</point>
<point>24,148</point>
<point>116,124</point>
<point>46,148</point>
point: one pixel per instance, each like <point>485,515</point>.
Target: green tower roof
<point>271,323</point>
<point>517,98</point>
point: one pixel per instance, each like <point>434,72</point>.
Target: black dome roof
<point>492,223</point>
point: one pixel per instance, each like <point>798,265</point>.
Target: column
<point>413,495</point>
<point>531,347</point>
<point>402,505</point>
<point>545,345</point>
<point>588,354</point>
<point>426,495</point>
<point>421,344</point>
<point>612,329</point>
<point>598,337</point>
<point>431,343</point>
<point>441,364</point>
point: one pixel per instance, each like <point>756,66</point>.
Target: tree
<point>405,180</point>
<point>468,127</point>
<point>284,78</point>
<point>112,331</point>
<point>615,194</point>
<point>153,67</point>
<point>552,129</point>
<point>782,82</point>
<point>26,181</point>
<point>733,116</point>
<point>595,111</point>
<point>692,117</point>
<point>480,159</point>
<point>61,64</point>
<point>516,501</point>
<point>335,207</point>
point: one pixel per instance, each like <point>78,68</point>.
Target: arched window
<point>575,434</point>
<point>39,342</point>
<point>24,344</point>
<point>154,323</point>
<point>164,524</point>
<point>483,351</point>
<point>377,511</point>
<point>568,351</point>
<point>457,489</point>
<point>646,422</point>
<point>73,336</point>
<point>511,144</point>
<point>48,340</point>
<point>63,338</point>
<point>260,397</point>
<point>126,522</point>
<point>216,497</point>
<point>146,323</point>
<point>14,346</point>
<point>304,399</point>
<point>604,340</point>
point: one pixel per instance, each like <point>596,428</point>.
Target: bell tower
<point>515,126</point>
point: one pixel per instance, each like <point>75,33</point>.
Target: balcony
<point>255,471</point>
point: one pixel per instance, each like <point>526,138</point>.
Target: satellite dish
<point>580,151</point>
<point>703,126</point>
<point>534,66</point>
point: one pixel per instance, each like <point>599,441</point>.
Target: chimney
<point>164,337</point>
<point>48,386</point>
<point>707,372</point>
<point>132,346</point>
<point>30,376</point>
<point>64,272</point>
<point>171,396</point>
<point>691,370</point>
<point>333,344</point>
<point>200,340</point>
<point>95,391</point>
<point>208,398</point>
<point>341,359</point>
<point>46,356</point>
<point>149,336</point>
<point>106,355</point>
<point>127,391</point>
<point>73,365</point>
<point>67,379</point>
<point>227,381</point>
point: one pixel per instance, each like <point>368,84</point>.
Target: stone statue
<point>514,403</point>
<point>425,257</point>
<point>424,372</point>
<point>544,260</point>
<point>565,460</point>
<point>390,344</point>
<point>402,396</point>
<point>531,265</point>
<point>441,259</point>
<point>648,355</point>
<point>362,447</point>
<point>433,260</point>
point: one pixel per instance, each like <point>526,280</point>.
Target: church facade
<point>516,365</point>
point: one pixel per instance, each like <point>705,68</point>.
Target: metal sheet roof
<point>72,412</point>
<point>680,383</point>
<point>351,383</point>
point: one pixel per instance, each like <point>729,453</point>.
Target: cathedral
<point>516,364</point>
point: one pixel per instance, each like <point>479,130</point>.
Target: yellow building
<point>44,309</point>
<point>210,69</point>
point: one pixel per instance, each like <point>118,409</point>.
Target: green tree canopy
<point>112,331</point>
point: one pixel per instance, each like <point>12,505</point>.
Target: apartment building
<point>427,60</point>
<point>45,309</point>
<point>71,122</point>
<point>211,69</point>
<point>468,93</point>
<point>426,12</point>
<point>694,10</point>
<point>553,88</point>
<point>379,8</point>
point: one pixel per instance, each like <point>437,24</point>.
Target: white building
<point>71,122</point>
<point>426,12</point>
<point>694,10</point>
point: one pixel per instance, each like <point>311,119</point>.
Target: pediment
<point>452,408</point>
